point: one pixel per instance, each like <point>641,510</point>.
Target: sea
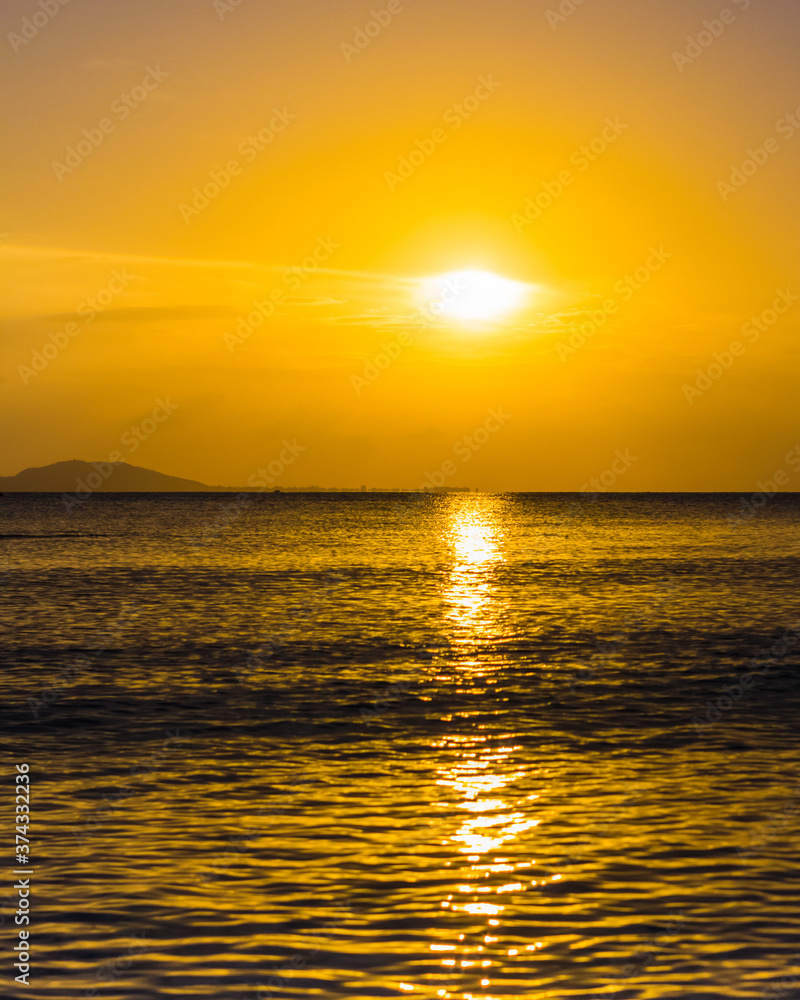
<point>462,745</point>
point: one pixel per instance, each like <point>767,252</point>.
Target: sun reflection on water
<point>473,534</point>
<point>478,784</point>
<point>491,863</point>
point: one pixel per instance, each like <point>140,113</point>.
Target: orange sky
<point>616,127</point>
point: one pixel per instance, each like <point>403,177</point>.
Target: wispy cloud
<point>51,284</point>
<point>141,314</point>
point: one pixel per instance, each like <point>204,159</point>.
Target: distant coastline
<point>83,478</point>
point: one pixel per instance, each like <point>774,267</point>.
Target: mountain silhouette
<point>99,477</point>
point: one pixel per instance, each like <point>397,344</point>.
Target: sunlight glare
<point>472,296</point>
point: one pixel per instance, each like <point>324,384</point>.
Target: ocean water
<point>351,746</point>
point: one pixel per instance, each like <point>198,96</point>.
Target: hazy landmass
<point>97,477</point>
<point>118,477</point>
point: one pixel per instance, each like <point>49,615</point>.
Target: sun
<point>471,296</point>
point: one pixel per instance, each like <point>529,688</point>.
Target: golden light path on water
<point>474,539</point>
<point>484,841</point>
<point>527,811</point>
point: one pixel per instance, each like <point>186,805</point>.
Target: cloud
<point>141,314</point>
<point>311,301</point>
<point>51,284</point>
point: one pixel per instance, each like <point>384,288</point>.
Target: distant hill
<point>99,477</point>
<point>119,477</point>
